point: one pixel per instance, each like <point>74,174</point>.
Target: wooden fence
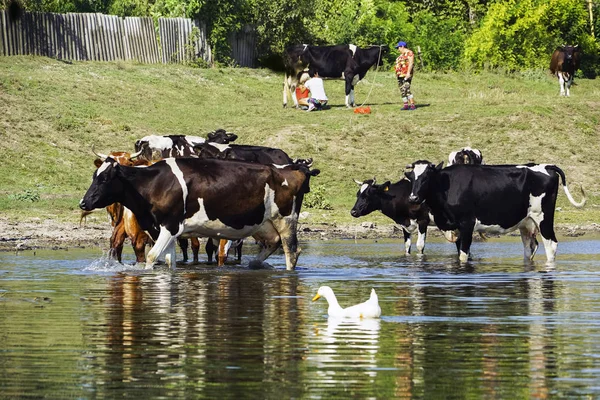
<point>243,47</point>
<point>99,37</point>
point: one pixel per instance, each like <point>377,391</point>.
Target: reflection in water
<point>346,349</point>
<point>493,329</point>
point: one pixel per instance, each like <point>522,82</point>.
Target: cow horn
<point>374,180</point>
<point>100,156</point>
<point>359,183</point>
<point>410,166</point>
<point>136,155</point>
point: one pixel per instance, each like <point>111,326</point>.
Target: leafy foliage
<point>474,34</point>
<point>521,34</point>
<point>317,198</point>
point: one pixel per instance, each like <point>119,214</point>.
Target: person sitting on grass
<point>317,98</point>
<point>302,95</point>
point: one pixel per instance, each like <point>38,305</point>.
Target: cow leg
<point>195,249</point>
<point>544,219</point>
<point>407,241</point>
<point>164,243</point>
<point>568,85</point>
<point>238,250</point>
<point>349,91</point>
<point>286,228</point>
<point>561,83</point>
<point>183,244</point>
<point>116,242</point>
<point>285,88</point>
<point>222,255</point>
<point>528,237</point>
<point>466,238</point>
<point>210,250</point>
<point>270,238</point>
<point>422,236</point>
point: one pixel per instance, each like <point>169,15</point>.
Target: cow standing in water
<point>564,63</point>
<point>347,61</point>
<point>493,199</point>
<point>392,201</point>
<point>182,197</point>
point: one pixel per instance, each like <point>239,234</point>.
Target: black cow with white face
<point>564,63</point>
<point>493,199</point>
<point>347,61</point>
<point>466,155</point>
<point>190,197</point>
<point>392,201</point>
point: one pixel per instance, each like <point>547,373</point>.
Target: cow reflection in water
<point>199,325</point>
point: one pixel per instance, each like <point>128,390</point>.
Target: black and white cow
<point>466,155</point>
<point>154,147</point>
<point>347,61</point>
<point>491,198</point>
<point>188,197</point>
<point>392,201</point>
<point>564,64</point>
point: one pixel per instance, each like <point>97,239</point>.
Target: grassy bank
<point>51,113</point>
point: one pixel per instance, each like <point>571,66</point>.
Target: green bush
<point>518,35</point>
<point>317,198</point>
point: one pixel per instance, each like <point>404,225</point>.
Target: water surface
<point>73,324</point>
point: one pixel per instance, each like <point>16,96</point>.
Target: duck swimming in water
<point>368,309</point>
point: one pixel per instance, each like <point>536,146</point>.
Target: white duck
<point>368,309</point>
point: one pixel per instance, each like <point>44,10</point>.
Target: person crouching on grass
<point>317,98</point>
<point>404,71</point>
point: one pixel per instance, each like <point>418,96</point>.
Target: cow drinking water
<point>392,201</point>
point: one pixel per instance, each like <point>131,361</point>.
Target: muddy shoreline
<point>51,234</point>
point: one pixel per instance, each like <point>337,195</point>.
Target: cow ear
<point>440,166</point>
<point>97,162</point>
<point>407,175</point>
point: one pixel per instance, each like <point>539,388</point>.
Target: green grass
<point>51,113</point>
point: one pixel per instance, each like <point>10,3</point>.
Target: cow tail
<point>566,188</point>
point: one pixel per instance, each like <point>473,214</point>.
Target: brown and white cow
<point>184,197</point>
<point>564,63</point>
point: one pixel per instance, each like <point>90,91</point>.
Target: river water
<point>74,325</point>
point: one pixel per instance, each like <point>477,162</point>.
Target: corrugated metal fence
<point>99,37</point>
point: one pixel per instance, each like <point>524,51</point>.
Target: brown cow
<point>564,63</point>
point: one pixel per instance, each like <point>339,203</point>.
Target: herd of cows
<point>185,187</point>
<point>179,188</point>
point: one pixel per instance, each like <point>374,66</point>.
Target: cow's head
<point>221,136</point>
<point>368,197</point>
<point>571,55</point>
<point>466,155</point>
<point>421,174</point>
<point>105,186</point>
<point>385,49</point>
